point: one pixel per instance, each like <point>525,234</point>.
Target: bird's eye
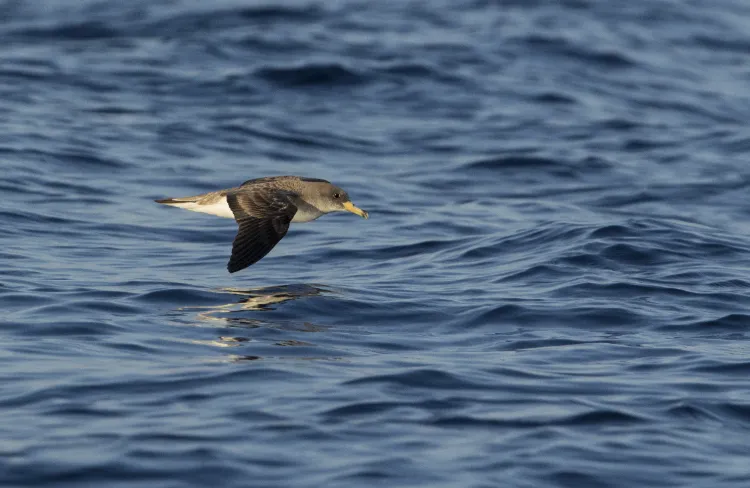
<point>336,195</point>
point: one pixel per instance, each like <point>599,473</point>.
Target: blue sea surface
<point>552,290</point>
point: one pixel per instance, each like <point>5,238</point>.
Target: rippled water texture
<point>553,289</point>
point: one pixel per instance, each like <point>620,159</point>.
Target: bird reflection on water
<point>257,300</point>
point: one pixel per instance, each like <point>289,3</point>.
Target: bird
<point>264,208</point>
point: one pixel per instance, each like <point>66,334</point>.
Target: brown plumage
<point>264,208</point>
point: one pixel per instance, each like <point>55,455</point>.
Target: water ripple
<point>552,289</point>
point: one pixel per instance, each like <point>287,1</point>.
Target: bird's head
<point>331,198</point>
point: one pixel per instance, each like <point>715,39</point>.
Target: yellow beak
<point>349,206</point>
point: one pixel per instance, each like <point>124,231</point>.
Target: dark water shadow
<point>257,323</point>
<point>264,299</point>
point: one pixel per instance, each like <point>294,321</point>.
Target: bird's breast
<point>306,213</point>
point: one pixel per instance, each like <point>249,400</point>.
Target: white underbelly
<point>220,208</point>
<point>306,214</point>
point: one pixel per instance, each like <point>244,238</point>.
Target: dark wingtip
<point>165,200</point>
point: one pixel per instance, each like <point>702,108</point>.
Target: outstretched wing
<point>263,216</point>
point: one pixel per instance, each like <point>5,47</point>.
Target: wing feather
<point>263,216</point>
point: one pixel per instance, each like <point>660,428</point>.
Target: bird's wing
<point>263,217</point>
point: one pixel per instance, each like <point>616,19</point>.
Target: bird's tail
<point>214,203</point>
<point>177,201</point>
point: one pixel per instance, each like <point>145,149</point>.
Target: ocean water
<point>553,288</point>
